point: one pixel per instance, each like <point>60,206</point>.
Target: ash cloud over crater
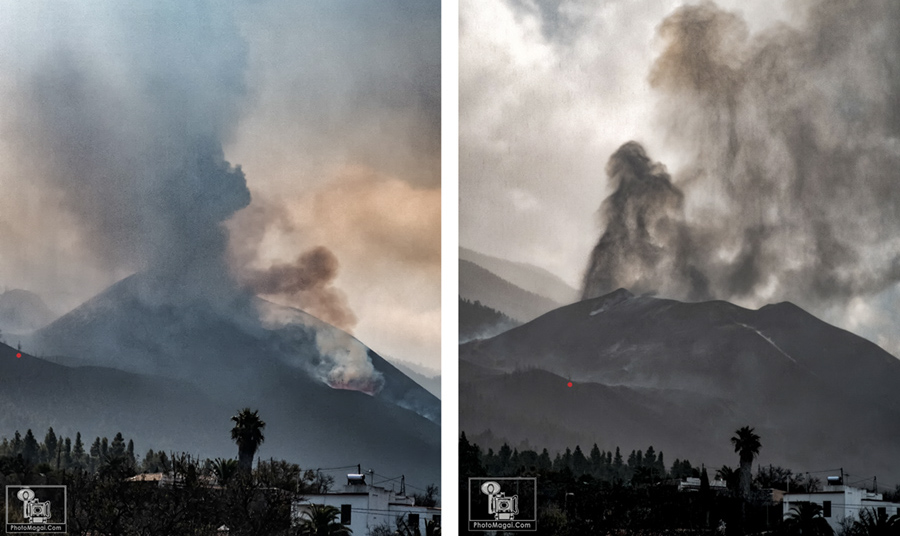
<point>791,139</point>
<point>116,116</point>
<point>124,124</point>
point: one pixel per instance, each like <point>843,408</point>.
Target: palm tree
<point>432,528</point>
<point>321,520</point>
<point>729,475</point>
<point>747,445</point>
<point>872,524</point>
<point>806,519</point>
<point>224,470</point>
<point>247,433</point>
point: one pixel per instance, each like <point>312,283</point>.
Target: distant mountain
<point>325,396</point>
<point>683,377</point>
<point>479,284</point>
<point>427,378</point>
<point>525,276</point>
<point>307,422</point>
<point>476,321</point>
<point>23,311</point>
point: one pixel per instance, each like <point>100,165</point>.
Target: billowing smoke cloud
<point>645,239</point>
<point>307,282</point>
<point>130,142</point>
<point>346,363</point>
<point>791,136</point>
<point>117,116</point>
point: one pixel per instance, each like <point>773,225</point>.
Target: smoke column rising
<point>120,112</point>
<point>130,134</point>
<point>792,138</point>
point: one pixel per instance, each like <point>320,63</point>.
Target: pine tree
<point>117,449</point>
<point>567,458</point>
<point>129,451</point>
<point>579,462</point>
<point>67,452</point>
<point>650,457</point>
<point>17,444</point>
<point>597,459</point>
<point>504,455</point>
<point>544,461</point>
<point>490,462</point>
<point>104,448</point>
<point>78,451</point>
<point>618,465</point>
<point>148,465</point>
<point>675,471</point>
<point>30,448</point>
<point>50,444</point>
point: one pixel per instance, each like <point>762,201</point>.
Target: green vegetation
<point>322,520</point>
<point>605,492</point>
<point>112,491</point>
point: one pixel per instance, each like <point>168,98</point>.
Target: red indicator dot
<point>20,355</point>
<point>570,384</point>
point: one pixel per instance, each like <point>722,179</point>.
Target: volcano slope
<point>682,377</point>
<point>326,398</point>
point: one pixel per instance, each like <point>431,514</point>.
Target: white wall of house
<point>843,502</point>
<point>369,507</point>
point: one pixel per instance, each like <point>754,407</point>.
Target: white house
<point>839,502</point>
<point>692,483</point>
<point>364,506</point>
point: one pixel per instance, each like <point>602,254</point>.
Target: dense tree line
<point>606,492</point>
<point>641,466</point>
<point>60,453</point>
<point>477,320</point>
<point>185,496</point>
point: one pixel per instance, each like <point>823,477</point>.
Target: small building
<point>839,502</point>
<point>364,506</point>
<point>692,483</point>
<point>169,479</point>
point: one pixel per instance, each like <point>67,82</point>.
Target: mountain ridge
<point>323,393</point>
<point>778,368</point>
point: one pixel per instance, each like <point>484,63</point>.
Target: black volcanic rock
<point>819,396</point>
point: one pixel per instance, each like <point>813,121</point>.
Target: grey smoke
<point>792,140</point>
<point>644,241</point>
<point>120,113</point>
<point>131,134</point>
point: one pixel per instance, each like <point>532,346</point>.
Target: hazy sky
<point>330,108</point>
<point>781,163</point>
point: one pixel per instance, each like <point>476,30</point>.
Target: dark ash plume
<point>642,243</point>
<point>308,282</point>
<point>123,128</point>
<point>128,135</point>
<point>792,140</point>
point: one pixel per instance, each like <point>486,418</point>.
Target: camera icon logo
<point>34,510</point>
<point>503,508</point>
